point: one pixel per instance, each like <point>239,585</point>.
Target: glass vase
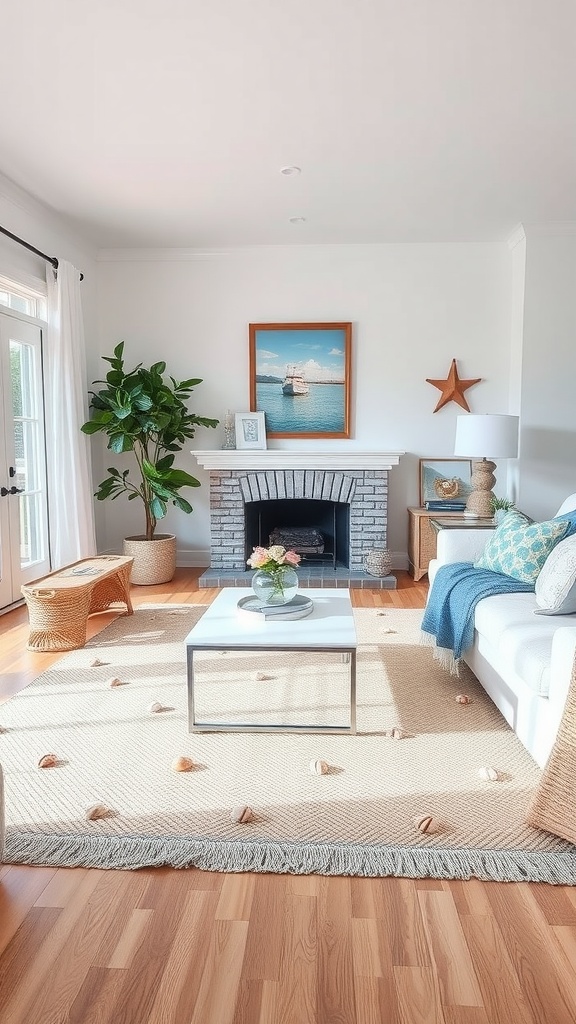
<point>277,587</point>
<point>229,431</point>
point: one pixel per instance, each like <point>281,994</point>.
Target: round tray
<point>298,608</point>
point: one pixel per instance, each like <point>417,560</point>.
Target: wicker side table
<point>422,539</point>
<point>59,604</point>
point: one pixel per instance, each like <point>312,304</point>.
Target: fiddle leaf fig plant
<point>142,412</point>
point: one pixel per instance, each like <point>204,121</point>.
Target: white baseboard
<point>188,558</point>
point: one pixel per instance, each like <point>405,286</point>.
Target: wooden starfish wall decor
<point>453,388</point>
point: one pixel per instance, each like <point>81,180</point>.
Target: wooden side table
<point>59,604</point>
<point>422,538</point>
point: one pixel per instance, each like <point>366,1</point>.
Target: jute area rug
<point>357,819</point>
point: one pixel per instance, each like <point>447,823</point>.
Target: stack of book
<point>445,505</point>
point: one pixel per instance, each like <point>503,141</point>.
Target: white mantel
<point>275,458</point>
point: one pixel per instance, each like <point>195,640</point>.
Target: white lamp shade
<point>486,436</point>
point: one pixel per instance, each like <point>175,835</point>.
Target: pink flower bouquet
<point>273,559</point>
<point>277,564</point>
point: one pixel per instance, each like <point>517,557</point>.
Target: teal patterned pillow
<point>519,548</point>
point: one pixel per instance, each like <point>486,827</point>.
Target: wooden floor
<point>190,947</point>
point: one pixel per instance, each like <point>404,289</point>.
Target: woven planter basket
<point>154,560</point>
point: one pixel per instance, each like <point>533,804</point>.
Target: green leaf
<point>121,443</point>
<point>158,508</point>
<point>109,488</point>
<point>100,421</point>
<point>115,378</point>
<point>181,503</point>
<point>143,403</point>
<point>99,401</point>
<point>160,490</point>
<point>150,470</point>
<point>178,478</point>
<point>91,427</point>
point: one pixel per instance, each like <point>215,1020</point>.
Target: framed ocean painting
<point>300,378</point>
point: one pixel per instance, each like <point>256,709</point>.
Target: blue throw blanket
<point>448,621</point>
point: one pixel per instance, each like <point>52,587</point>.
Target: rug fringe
<point>132,852</point>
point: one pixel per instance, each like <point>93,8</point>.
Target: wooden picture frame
<point>455,473</point>
<point>300,378</point>
<point>250,430</point>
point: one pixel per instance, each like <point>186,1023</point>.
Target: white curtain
<point>70,487</point>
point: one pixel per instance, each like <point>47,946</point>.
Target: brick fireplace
<point>353,486</point>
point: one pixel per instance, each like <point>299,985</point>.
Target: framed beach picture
<point>250,430</point>
<point>444,480</point>
<point>300,378</point>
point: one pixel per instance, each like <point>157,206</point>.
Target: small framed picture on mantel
<point>250,430</point>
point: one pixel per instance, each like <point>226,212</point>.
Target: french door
<point>24,554</point>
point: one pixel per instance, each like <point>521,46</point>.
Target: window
<point>23,298</point>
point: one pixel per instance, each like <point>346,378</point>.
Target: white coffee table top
<point>330,626</point>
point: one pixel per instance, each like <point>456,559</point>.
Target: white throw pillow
<point>556,584</point>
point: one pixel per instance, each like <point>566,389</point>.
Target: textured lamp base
<point>482,480</point>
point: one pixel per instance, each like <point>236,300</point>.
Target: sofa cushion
<point>519,548</point>
<point>556,584</point>
<point>521,641</point>
<point>570,518</point>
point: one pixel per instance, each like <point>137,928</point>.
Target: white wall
<point>413,308</point>
<point>548,412</point>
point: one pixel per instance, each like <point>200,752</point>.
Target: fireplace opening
<point>317,530</point>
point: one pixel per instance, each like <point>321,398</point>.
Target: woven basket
<point>378,562</point>
<point>154,560</point>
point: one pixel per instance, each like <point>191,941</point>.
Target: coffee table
<point>329,628</point>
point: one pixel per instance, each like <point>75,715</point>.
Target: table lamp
<point>482,438</point>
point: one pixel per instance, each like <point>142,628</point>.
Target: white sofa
<point>523,660</point>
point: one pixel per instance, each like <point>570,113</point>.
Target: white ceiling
<point>166,122</point>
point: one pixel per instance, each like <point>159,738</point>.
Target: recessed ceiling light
<point>290,170</point>
<point>297,220</point>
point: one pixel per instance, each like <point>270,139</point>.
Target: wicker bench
<point>59,604</point>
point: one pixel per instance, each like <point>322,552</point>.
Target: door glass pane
<point>26,453</point>
<point>23,372</point>
<point>30,529</point>
<point>28,456</point>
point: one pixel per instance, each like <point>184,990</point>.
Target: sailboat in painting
<point>294,383</point>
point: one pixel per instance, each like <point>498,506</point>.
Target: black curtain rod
<point>32,248</point>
